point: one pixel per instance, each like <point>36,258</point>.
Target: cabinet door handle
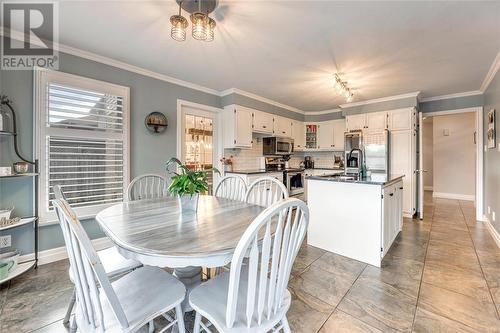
<point>264,126</point>
<point>391,194</point>
<point>283,132</point>
<point>400,188</point>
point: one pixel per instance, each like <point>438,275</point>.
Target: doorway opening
<point>199,138</point>
<point>450,163</point>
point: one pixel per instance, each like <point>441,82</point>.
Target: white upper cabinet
<point>298,135</point>
<point>262,122</point>
<point>403,119</point>
<point>282,127</point>
<point>356,122</point>
<point>376,121</point>
<point>325,135</point>
<point>237,127</point>
<point>338,134</point>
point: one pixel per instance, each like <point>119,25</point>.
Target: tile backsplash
<point>248,159</point>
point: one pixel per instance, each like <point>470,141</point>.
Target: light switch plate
<point>493,216</point>
<point>5,241</point>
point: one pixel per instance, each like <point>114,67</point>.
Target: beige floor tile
<point>464,309</point>
<point>306,256</point>
<point>429,322</point>
<point>339,265</point>
<point>342,322</point>
<point>329,287</point>
<point>307,314</point>
<point>379,305</point>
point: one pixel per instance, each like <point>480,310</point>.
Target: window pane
<point>82,109</point>
<point>89,171</point>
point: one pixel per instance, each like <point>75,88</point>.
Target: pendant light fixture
<point>203,27</point>
<point>179,25</point>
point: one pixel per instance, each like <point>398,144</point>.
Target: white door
<point>356,122</point>
<point>376,121</point>
<point>298,135</point>
<point>282,127</point>
<point>262,122</point>
<point>201,142</point>
<point>243,128</point>
<point>420,168</point>
<point>401,164</point>
<point>338,134</point>
<point>325,135</point>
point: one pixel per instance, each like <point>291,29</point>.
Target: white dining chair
<point>125,305</point>
<point>115,265</point>
<point>253,297</point>
<point>231,187</point>
<point>266,191</point>
<point>147,186</point>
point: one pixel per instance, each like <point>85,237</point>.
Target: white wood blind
<point>83,141</point>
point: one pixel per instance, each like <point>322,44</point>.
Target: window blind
<point>83,142</point>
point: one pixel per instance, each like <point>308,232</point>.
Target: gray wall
<point>451,104</point>
<point>492,156</point>
<point>148,152</point>
<point>381,106</point>
<point>258,105</point>
<point>324,117</point>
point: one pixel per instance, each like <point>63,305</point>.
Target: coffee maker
<point>308,162</point>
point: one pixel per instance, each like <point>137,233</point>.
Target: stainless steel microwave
<point>274,145</point>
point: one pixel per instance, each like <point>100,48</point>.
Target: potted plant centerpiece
<point>187,184</point>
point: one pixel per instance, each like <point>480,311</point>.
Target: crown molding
<point>462,94</point>
<point>379,100</point>
<point>317,113</point>
<point>118,64</point>
<point>491,73</point>
<point>259,98</point>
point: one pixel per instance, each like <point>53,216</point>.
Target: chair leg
<point>70,308</point>
<point>286,327</point>
<point>73,326</point>
<point>197,323</point>
<point>179,314</point>
<point>151,328</point>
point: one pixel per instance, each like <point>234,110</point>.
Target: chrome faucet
<point>351,169</point>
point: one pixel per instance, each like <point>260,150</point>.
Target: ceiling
<point>287,50</point>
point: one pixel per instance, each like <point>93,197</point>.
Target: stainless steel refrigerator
<point>377,150</point>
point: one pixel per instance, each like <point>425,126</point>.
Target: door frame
<point>204,111</point>
<point>478,111</point>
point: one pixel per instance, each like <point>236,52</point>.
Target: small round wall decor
<point>156,122</point>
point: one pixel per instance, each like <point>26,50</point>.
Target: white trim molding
<point>442,195</point>
<point>261,99</point>
<point>379,100</point>
<point>59,253</point>
<point>317,113</point>
<point>493,232</point>
<point>491,73</point>
<point>462,94</point>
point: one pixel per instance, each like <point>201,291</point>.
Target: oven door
<point>295,182</point>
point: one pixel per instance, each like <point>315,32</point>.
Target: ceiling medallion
<point>341,88</point>
<point>203,26</point>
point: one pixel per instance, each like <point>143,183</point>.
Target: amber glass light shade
<point>210,29</point>
<point>199,21</point>
<point>178,30</point>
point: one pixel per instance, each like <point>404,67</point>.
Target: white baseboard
<point>493,232</point>
<point>428,188</point>
<point>59,253</point>
<point>442,195</point>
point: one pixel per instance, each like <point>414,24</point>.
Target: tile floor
<point>441,275</point>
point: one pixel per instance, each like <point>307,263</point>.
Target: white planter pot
<point>188,203</point>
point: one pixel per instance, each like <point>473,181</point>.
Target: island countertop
<point>375,179</point>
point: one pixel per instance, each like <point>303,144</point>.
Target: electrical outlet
<point>493,216</point>
<point>5,241</point>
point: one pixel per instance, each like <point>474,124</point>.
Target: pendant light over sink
<point>203,26</point>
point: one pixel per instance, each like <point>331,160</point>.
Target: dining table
<point>157,232</point>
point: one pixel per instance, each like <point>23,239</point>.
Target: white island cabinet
<point>358,219</point>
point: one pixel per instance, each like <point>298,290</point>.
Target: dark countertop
<point>249,171</point>
<point>333,169</point>
<point>375,179</point>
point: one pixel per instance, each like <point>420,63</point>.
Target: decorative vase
<point>189,203</point>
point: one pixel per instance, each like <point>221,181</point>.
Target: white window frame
<point>42,77</point>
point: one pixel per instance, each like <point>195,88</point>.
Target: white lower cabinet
<point>392,217</point>
<point>250,178</point>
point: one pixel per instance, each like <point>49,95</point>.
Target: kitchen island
<point>355,217</point>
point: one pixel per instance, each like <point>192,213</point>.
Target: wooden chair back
<point>231,187</point>
<point>268,269</point>
<point>87,270</point>
<point>147,186</point>
<point>266,191</point>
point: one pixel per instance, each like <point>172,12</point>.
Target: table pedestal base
<point>190,277</point>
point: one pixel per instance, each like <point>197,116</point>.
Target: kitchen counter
<point>374,179</point>
<point>249,171</point>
